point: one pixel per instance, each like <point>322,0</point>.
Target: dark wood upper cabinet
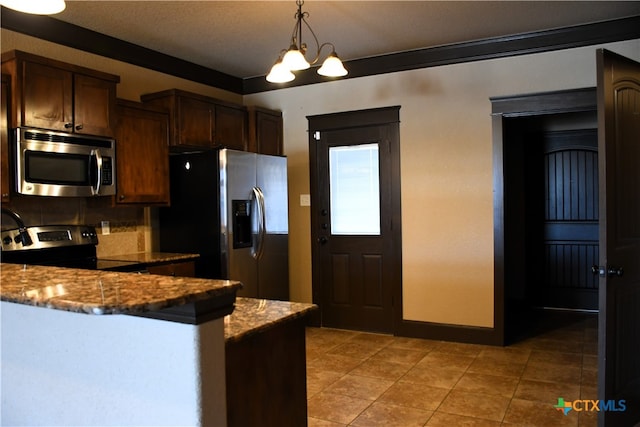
<point>93,102</point>
<point>142,144</point>
<point>47,97</point>
<point>201,121</point>
<point>265,131</point>
<point>5,174</point>
<point>194,121</point>
<point>54,95</point>
<point>230,127</point>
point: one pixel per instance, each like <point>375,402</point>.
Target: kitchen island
<point>83,347</point>
<point>172,353</point>
<point>266,363</point>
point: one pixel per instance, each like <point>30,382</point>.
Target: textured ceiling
<point>243,38</point>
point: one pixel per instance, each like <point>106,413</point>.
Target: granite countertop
<point>150,258</point>
<point>252,316</point>
<point>100,292</point>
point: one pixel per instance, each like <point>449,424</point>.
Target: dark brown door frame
<point>353,119</point>
<point>504,108</point>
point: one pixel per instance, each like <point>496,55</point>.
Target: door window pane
<point>354,190</point>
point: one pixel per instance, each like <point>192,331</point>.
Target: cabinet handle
<point>68,125</point>
<point>121,197</point>
<point>79,127</point>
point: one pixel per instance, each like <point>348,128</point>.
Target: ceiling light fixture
<point>294,57</point>
<point>36,7</point>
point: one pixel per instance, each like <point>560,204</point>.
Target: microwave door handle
<point>95,190</point>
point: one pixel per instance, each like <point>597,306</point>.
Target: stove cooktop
<point>71,246</point>
<point>48,237</point>
<point>53,245</point>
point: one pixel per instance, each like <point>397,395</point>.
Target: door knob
<point>610,271</point>
<point>322,240</point>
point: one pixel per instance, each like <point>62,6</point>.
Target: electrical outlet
<point>305,200</point>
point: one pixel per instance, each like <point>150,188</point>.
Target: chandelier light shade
<point>332,66</point>
<point>294,59</point>
<point>36,7</point>
<point>280,73</point>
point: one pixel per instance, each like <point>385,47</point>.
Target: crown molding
<point>70,35</point>
<point>56,31</point>
<point>490,48</point>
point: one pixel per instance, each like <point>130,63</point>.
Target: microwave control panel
<point>107,171</point>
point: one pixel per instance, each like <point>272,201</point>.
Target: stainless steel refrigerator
<point>231,208</point>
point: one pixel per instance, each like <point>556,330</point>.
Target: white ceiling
<point>243,38</point>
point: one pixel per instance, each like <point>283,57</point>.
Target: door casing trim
<point>347,120</point>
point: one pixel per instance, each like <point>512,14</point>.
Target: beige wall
<point>446,160</point>
<point>446,164</point>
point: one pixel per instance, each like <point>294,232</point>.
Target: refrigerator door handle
<point>259,196</point>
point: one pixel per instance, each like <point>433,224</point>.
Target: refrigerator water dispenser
<point>241,223</point>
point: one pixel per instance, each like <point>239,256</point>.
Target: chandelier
<point>293,59</point>
<point>37,7</point>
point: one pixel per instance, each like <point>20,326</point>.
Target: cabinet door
<point>94,100</point>
<point>48,97</point>
<point>230,127</point>
<point>182,269</point>
<point>196,126</point>
<point>142,146</point>
<point>5,181</point>
<point>269,133</point>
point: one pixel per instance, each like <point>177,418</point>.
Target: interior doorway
<point>549,232</point>
<point>553,172</point>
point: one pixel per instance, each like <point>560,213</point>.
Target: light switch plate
<point>106,228</point>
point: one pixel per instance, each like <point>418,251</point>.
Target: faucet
<point>22,229</point>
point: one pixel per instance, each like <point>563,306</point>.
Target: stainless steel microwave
<point>61,164</point>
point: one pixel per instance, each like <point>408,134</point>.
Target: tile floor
<point>363,379</point>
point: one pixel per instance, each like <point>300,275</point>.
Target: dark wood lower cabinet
<point>267,377</point>
<point>182,269</point>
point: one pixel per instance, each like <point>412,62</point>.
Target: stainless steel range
<point>72,246</point>
<point>53,245</point>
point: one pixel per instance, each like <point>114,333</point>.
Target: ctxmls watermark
<point>590,405</point>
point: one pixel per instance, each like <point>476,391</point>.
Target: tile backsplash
<point>128,232</point>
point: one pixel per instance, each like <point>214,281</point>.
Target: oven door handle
<point>95,190</point>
